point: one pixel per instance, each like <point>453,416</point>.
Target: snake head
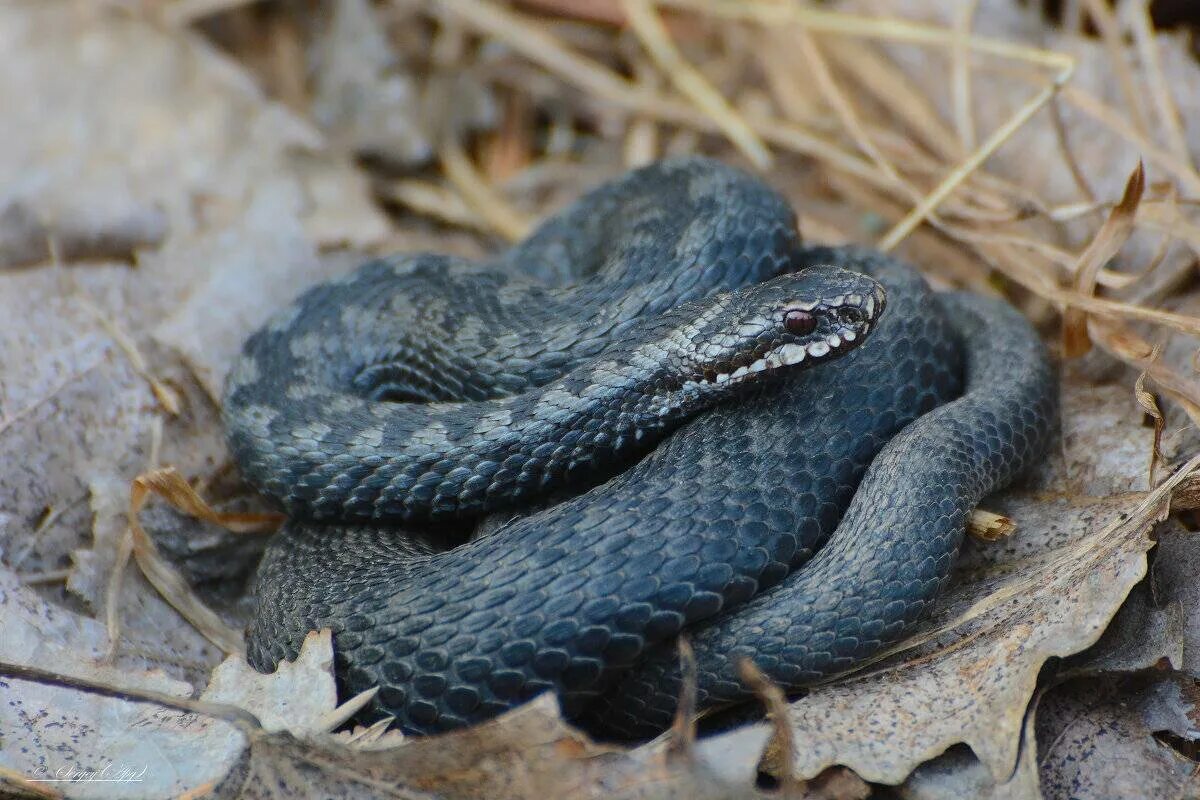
<point>795,320</point>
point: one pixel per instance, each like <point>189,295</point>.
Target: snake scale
<point>681,417</point>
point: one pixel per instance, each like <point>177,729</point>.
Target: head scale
<point>796,320</point>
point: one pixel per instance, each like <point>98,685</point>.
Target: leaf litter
<point>129,282</point>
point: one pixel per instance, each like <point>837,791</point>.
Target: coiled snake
<point>643,359</point>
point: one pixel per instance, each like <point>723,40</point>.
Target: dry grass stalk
<point>168,484</point>
<point>1112,235</point>
<point>1149,404</point>
<point>973,162</point>
<point>654,37</point>
<point>480,195</point>
<point>818,70</point>
<point>997,222</point>
<point>987,526</point>
<point>437,202</point>
<point>960,74</point>
<point>1164,104</point>
<point>683,728</point>
<point>1153,507</point>
<point>1105,21</point>
<point>779,756</point>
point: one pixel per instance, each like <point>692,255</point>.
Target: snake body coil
<point>419,393</point>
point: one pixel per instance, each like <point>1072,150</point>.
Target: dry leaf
<point>296,697</point>
<point>958,774</point>
<point>1113,234</point>
<point>220,165</point>
<point>1093,746</point>
<point>52,731</point>
<point>1176,565</point>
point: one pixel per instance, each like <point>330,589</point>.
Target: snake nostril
<point>850,315</point>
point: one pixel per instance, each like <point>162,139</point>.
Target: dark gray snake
<point>676,307</point>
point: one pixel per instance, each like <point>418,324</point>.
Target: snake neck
<point>333,454</point>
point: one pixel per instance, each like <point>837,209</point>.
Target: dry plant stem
<point>52,576</point>
<point>770,13</point>
<point>170,485</point>
<point>1166,218</point>
<point>960,74</point>
<point>607,12</point>
<point>593,78</point>
<point>479,194</point>
<point>509,149</point>
<point>373,733</point>
<point>682,743</point>
<point>642,140</point>
<point>1052,254</point>
<point>1111,237</point>
<point>648,27</point>
<point>877,77</point>
<point>124,548</point>
<point>1138,14</point>
<point>1149,404</point>
<point>1121,342</point>
<point>436,201</point>
<point>972,162</point>
<point>779,756</point>
<point>1187,496</point>
<point>112,594</point>
<point>185,12</point>
<point>1064,146</point>
<point>287,65</point>
<point>895,29</point>
<point>987,526</point>
<point>342,714</point>
<point>990,199</point>
<point>234,715</point>
<point>786,82</point>
<point>819,71</point>
<point>537,44</point>
<point>27,786</point>
<point>1063,298</point>
<point>1161,216</point>
<point>48,519</point>
<point>1112,119</point>
<point>1110,32</point>
<point>955,264</point>
<point>641,143</point>
<point>167,399</point>
<point>1106,115</point>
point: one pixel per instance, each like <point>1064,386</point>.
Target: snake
<point>660,414</point>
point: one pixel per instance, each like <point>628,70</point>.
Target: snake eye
<point>799,323</point>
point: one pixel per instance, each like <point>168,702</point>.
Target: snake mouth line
<point>792,354</point>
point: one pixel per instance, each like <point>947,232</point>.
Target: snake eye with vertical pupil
<point>799,323</point>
